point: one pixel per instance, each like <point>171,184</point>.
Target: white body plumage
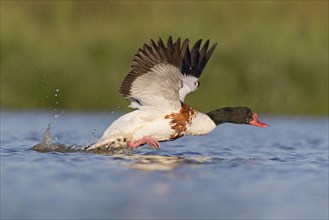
<point>139,123</point>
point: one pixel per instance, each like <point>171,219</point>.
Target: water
<point>236,172</point>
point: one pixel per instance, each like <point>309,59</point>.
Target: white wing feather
<point>158,88</point>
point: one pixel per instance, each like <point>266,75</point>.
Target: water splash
<point>47,145</point>
<point>47,139</point>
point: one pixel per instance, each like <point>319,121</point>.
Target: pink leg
<point>145,140</point>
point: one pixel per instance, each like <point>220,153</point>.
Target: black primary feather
<point>196,60</point>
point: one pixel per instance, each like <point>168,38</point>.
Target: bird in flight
<point>160,78</point>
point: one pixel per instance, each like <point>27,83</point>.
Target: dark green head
<point>236,115</point>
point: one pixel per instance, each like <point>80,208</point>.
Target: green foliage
<point>271,56</point>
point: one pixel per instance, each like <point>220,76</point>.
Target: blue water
<point>235,172</point>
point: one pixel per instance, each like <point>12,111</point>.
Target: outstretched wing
<point>193,65</point>
<point>155,78</point>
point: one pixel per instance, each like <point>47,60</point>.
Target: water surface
<point>243,172</point>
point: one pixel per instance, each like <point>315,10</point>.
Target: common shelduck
<point>160,78</point>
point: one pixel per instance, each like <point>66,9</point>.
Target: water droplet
<point>56,103</point>
<point>57,90</point>
<point>56,94</point>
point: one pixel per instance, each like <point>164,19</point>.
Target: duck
<point>160,78</point>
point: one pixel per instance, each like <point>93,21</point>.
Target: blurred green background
<point>271,56</point>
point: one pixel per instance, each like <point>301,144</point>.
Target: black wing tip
<point>196,59</point>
